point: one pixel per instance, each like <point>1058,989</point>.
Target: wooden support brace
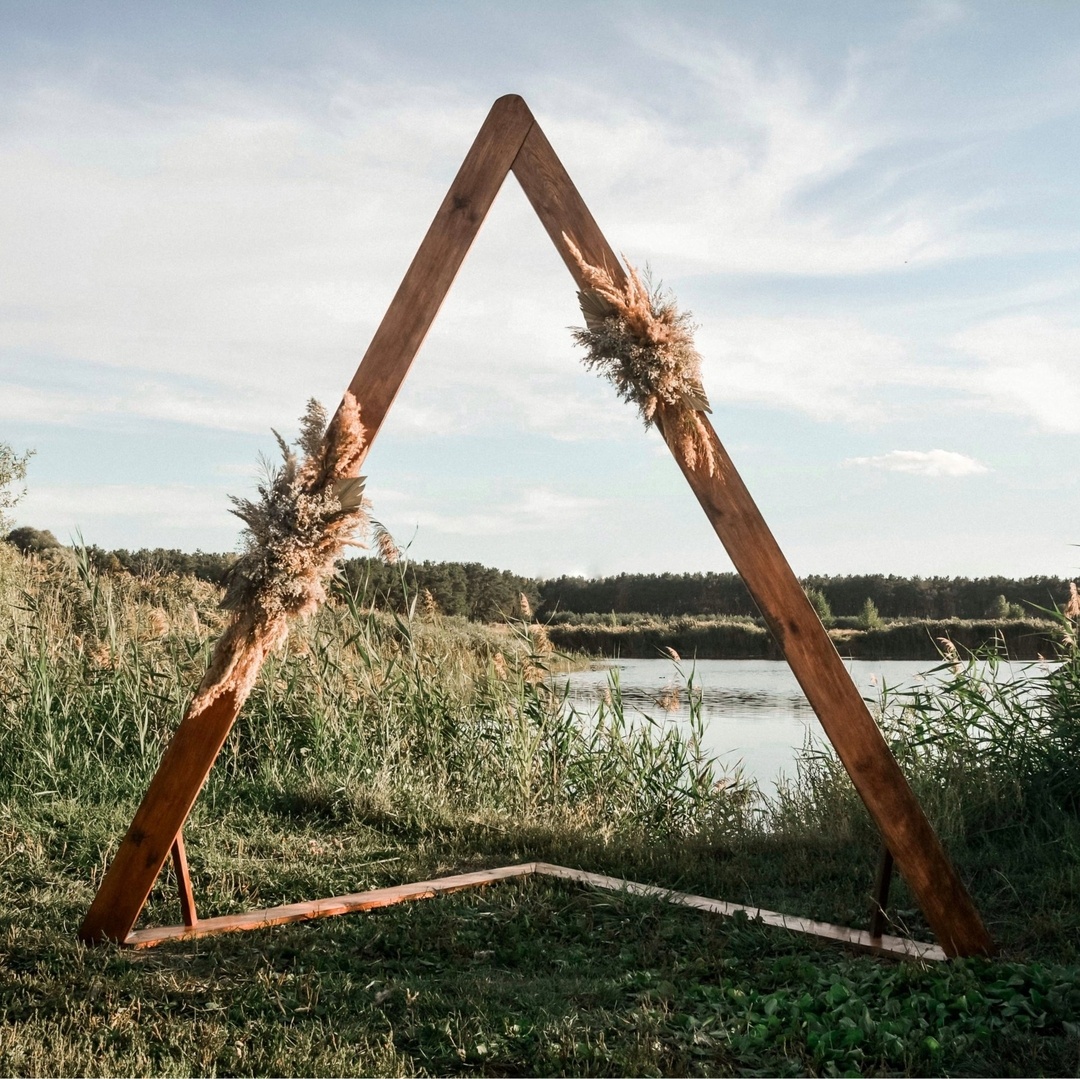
<point>776,590</point>
<point>883,882</point>
<point>183,881</point>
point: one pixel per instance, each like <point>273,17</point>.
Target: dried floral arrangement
<point>308,512</point>
<point>640,341</point>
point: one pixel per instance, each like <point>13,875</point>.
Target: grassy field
<point>378,750</point>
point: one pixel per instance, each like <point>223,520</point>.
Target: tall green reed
<point>987,744</point>
<point>405,717</point>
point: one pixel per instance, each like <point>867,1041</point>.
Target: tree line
<point>718,594</point>
<point>482,593</point>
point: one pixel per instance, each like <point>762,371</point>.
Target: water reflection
<point>756,716</point>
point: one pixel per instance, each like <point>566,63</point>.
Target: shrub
<point>32,540</point>
<point>869,618</point>
<point>821,606</point>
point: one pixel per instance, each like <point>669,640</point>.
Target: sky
<point>871,211</point>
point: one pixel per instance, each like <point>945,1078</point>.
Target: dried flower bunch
<point>308,512</point>
<point>644,345</point>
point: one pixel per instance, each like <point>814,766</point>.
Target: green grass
<point>378,750</point>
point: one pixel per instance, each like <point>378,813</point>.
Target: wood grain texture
<point>326,908</point>
<point>810,653</point>
<point>188,914</point>
<point>433,269</point>
<point>158,820</point>
<point>879,906</point>
<point>510,138</point>
<point>896,947</point>
<point>560,208</point>
<point>839,706</point>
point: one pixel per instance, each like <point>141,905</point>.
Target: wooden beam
<point>324,908</point>
<point>511,138</point>
<point>839,706</point>
<point>879,907</point>
<point>158,820</point>
<point>895,947</point>
<point>198,740</point>
<point>433,269</point>
<point>810,653</point>
<point>188,914</point>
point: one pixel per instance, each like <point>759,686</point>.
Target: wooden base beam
<point>884,944</point>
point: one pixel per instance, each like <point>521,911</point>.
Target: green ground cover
<point>379,750</point>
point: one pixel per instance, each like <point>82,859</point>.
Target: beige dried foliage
<point>429,606</point>
<point>100,655</point>
<point>1072,608</point>
<point>308,513</point>
<point>1072,612</point>
<point>640,341</point>
<point>498,662</point>
<point>951,654</point>
<point>669,699</point>
<point>533,674</point>
<point>159,622</point>
<point>385,544</point>
<point>540,641</point>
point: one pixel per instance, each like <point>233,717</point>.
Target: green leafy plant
<point>12,475</point>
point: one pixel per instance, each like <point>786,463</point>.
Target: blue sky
<point>871,210</point>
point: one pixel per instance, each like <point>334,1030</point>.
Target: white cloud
<point>248,236</point>
<point>245,234</point>
<point>225,231</point>
<point>1028,365</point>
<point>923,463</point>
<point>772,172</point>
<point>158,399</point>
<point>69,508</point>
<point>828,368</point>
<point>535,510</point>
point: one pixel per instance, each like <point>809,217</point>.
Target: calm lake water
<point>756,715</point>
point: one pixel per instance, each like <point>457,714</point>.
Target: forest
<point>484,594</point>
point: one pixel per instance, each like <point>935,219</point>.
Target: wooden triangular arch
<point>511,140</point>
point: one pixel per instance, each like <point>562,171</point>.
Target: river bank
<point>749,639</point>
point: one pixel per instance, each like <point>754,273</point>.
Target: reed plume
<point>308,512</point>
<point>644,345</point>
<point>1072,607</point>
